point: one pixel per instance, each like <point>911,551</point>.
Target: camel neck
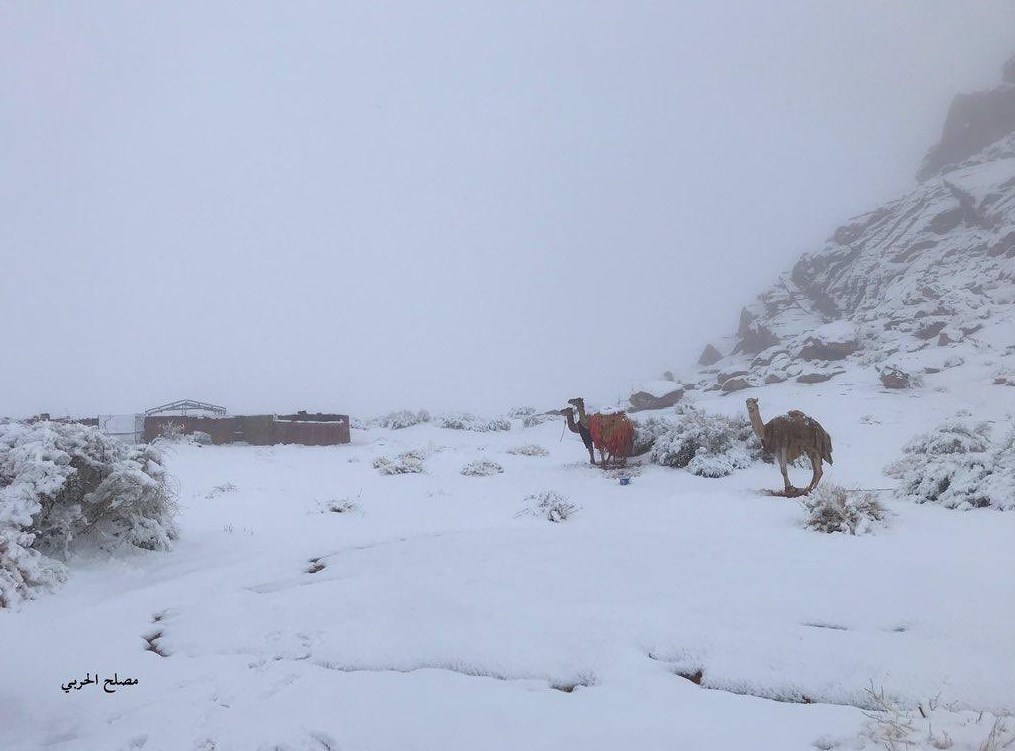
<point>756,423</point>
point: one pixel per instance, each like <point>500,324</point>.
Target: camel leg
<point>816,478</point>
<point>790,490</point>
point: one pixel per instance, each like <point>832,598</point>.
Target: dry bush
<point>65,486</point>
<point>403,418</point>
<point>531,421</point>
<point>406,463</point>
<point>550,505</point>
<point>832,508</point>
<point>518,413</point>
<point>531,449</point>
<point>467,421</point>
<point>958,466</point>
<point>481,468</point>
<point>708,445</point>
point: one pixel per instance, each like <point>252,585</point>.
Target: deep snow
<point>435,615</point>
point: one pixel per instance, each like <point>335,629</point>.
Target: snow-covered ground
<point>433,615</point>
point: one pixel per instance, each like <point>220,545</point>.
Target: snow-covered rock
<point>656,395</point>
<point>932,269</point>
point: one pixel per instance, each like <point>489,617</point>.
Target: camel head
<point>752,404</point>
<point>577,401</point>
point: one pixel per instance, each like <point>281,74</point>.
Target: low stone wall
<point>257,430</point>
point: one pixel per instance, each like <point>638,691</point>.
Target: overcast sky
<point>362,206</point>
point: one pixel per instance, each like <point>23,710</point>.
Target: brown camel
<point>790,436</point>
<point>612,434</point>
<point>582,430</point>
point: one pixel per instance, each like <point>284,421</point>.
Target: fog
<point>357,207</point>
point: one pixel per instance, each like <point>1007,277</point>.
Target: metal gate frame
<point>134,436</point>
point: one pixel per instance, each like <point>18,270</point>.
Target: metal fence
<point>128,428</point>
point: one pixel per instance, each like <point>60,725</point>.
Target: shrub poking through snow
<point>407,463</point>
<point>647,432</point>
<point>467,421</point>
<point>403,418</point>
<point>832,508</point>
<point>482,468</point>
<point>550,505</point>
<point>930,725</point>
<point>707,445</point>
<point>531,449</point>
<point>517,413</point>
<point>64,486</point>
<point>531,421</point>
<point>958,466</point>
<point>172,432</point>
<point>344,506</point>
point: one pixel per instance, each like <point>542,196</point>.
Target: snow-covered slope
<point>431,614</point>
<point>922,281</point>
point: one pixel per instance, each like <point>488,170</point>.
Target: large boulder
<point>894,377</point>
<point>833,341</point>
<point>753,336</point>
<point>736,384</point>
<point>710,356</point>
<point>818,377</point>
<point>656,395</point>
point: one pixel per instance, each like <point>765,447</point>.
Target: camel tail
<point>826,447</point>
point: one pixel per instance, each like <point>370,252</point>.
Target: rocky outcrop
<point>753,336</point>
<point>642,400</point>
<point>974,122</point>
<point>893,377</point>
<point>736,384</point>
<point>934,268</point>
<point>833,341</point>
<point>710,356</point>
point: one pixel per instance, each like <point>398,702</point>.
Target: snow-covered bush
<point>647,431</point>
<point>517,413</point>
<point>343,506</point>
<point>531,421</point>
<point>958,466</point>
<point>832,508</point>
<point>65,485</point>
<point>171,432</point>
<point>467,421</point>
<point>551,505</point>
<point>481,468</point>
<point>407,463</point>
<point>403,418</point>
<point>708,445</point>
<point>530,449</point>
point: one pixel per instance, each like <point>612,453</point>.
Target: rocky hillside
<point>916,285</point>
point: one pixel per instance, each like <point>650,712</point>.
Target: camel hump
<point>613,431</point>
<point>796,414</point>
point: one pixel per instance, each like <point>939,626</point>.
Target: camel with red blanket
<point>612,434</point>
